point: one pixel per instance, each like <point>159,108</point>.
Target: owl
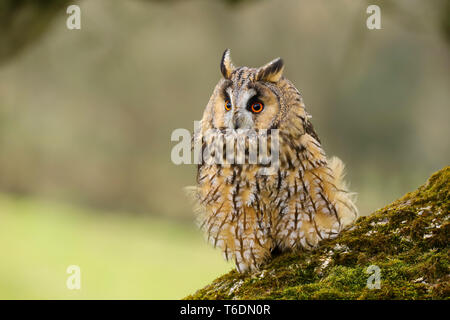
<point>249,215</point>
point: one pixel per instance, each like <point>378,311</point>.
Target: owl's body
<point>247,214</point>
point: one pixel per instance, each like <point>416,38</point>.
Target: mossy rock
<point>408,240</point>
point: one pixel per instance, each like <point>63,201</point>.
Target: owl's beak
<point>241,121</point>
<point>236,123</point>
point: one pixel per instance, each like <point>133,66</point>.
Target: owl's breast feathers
<point>247,214</point>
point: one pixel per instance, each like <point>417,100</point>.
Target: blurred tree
<point>23,22</point>
<point>445,20</point>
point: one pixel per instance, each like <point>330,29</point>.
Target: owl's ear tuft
<point>226,66</point>
<point>272,71</point>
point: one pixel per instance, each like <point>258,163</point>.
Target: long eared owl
<point>246,214</point>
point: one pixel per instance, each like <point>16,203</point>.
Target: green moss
<point>407,240</point>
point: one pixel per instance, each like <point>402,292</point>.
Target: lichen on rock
<point>407,240</point>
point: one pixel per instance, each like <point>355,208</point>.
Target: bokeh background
<point>86,118</point>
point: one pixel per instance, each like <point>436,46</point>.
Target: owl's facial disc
<point>246,100</point>
<point>250,105</point>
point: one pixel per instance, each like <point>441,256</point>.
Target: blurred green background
<point>86,117</point>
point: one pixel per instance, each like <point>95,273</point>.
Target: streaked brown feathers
<point>248,215</point>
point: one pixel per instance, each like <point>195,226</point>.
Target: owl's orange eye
<point>257,107</point>
<point>228,105</point>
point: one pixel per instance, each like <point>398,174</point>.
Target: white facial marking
<point>240,117</point>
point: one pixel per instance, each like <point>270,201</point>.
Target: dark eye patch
<point>255,105</point>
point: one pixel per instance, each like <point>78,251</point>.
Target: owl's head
<point>247,98</point>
